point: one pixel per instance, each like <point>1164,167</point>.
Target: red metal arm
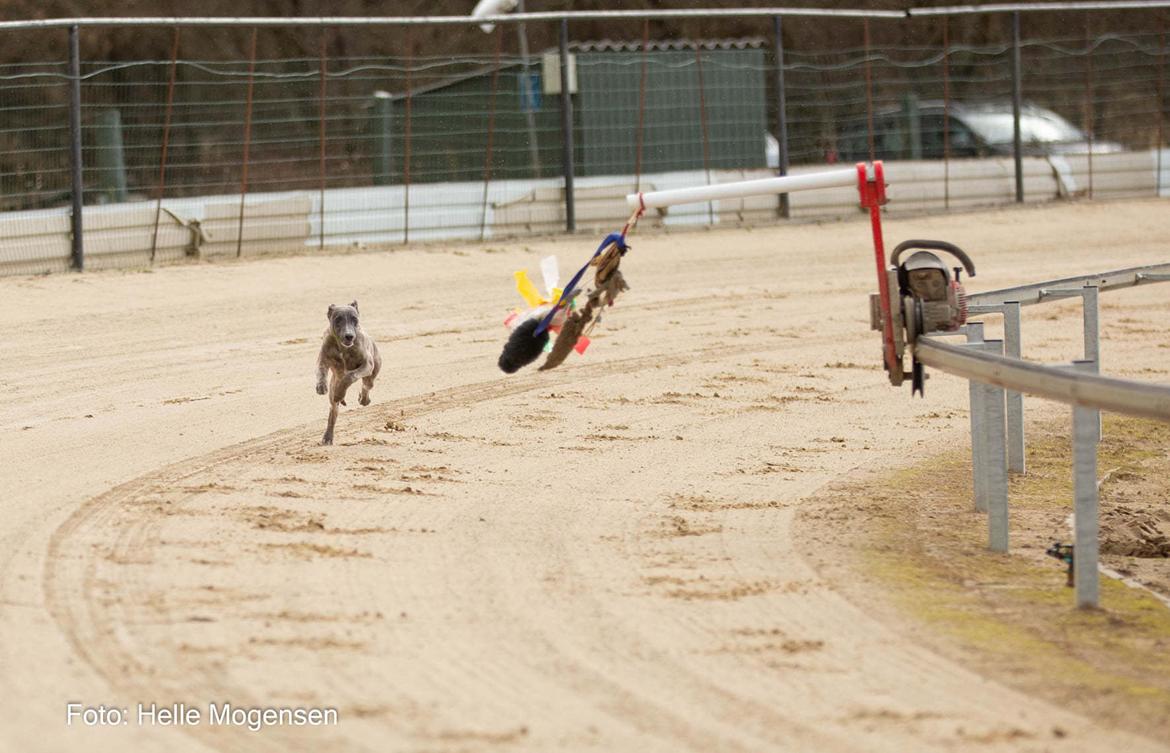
<point>872,189</point>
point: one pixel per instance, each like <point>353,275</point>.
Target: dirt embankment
<point>914,550</point>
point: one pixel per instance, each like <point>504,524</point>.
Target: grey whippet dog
<point>348,354</point>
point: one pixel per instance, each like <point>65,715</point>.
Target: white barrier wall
<point>120,235</point>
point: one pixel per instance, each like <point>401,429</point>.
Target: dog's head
<point>343,322</point>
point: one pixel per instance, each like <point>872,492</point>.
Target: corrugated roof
<point>619,45</point>
<point>601,45</point>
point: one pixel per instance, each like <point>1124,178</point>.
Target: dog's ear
<point>329,313</point>
<point>354,304</point>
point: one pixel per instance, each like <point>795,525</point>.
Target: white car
<point>975,131</point>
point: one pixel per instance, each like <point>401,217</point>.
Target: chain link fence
<point>199,157</point>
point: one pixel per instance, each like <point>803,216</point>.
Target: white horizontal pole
<point>512,18</point>
<point>960,10</point>
<point>743,188</point>
<point>597,15</point>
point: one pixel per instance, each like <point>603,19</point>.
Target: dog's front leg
<point>339,387</point>
<point>321,370</point>
<point>328,438</point>
<point>336,397</point>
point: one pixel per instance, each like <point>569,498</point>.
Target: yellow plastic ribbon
<point>529,292</point>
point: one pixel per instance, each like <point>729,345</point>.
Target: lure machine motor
<point>924,298</point>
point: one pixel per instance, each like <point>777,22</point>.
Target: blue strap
<point>567,291</point>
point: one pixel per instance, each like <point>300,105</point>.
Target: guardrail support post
<point>975,396</point>
<point>1015,400</point>
<point>1092,328</point>
<point>995,486</point>
<point>1085,431</point>
<point>1092,333</point>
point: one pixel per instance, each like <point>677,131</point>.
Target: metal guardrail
<point>1027,295</point>
<point>998,379</point>
<point>1051,382</point>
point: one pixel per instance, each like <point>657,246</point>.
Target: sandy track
<point>600,557</point>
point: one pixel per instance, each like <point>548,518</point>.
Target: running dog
<point>348,354</point>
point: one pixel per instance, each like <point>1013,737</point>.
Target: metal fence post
<point>975,396</point>
<point>1161,105</point>
<point>1012,346</point>
<point>491,131</point>
<point>1089,98</point>
<point>1017,100</point>
<point>406,136</point>
<point>247,141</point>
<point>868,91</point>
<point>1085,554</point>
<point>75,144</point>
<point>946,77</point>
<point>995,485</point>
<point>527,95</point>
<point>703,127</point>
<point>640,133</point>
<point>567,130</point>
<point>166,140</point>
<point>321,113</point>
<point>781,112</point>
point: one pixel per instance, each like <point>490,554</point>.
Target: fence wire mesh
<point>187,156</point>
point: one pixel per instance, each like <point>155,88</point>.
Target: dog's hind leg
<point>367,385</point>
<point>368,380</point>
<point>364,373</point>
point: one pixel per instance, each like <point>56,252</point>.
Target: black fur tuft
<point>522,347</point>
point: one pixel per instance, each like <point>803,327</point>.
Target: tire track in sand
<point>90,622</point>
